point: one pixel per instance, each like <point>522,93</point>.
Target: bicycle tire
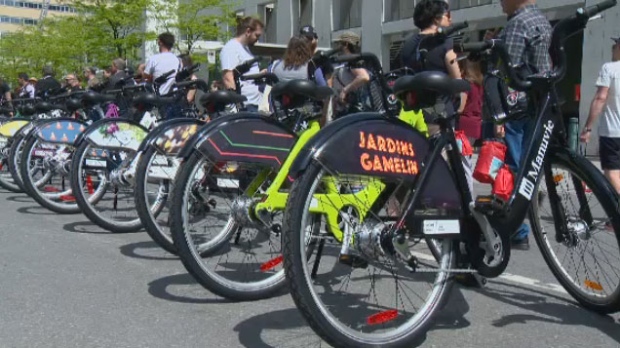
<point>188,256</point>
<point>14,165</point>
<point>147,216</point>
<point>31,188</point>
<point>298,201</point>
<point>603,191</point>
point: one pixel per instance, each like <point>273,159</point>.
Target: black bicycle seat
<point>222,98</point>
<point>302,88</point>
<point>73,104</point>
<point>430,81</point>
<point>151,99</point>
<point>44,106</point>
<point>96,98</point>
<point>27,110</point>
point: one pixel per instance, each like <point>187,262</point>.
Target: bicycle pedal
<point>490,205</point>
<point>353,261</point>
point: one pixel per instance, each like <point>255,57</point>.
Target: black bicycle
<point>416,225</point>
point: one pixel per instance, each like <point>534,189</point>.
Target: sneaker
<point>520,244</point>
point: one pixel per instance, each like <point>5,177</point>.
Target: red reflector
<point>391,83</point>
<point>271,264</point>
<point>411,99</point>
<point>382,317</point>
<point>286,100</point>
<point>67,198</point>
<point>89,185</point>
<point>211,108</point>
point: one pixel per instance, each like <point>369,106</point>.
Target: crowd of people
<point>527,36</point>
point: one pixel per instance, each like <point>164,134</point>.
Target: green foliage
<point>197,20</point>
<point>106,29</point>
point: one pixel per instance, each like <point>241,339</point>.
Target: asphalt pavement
<point>67,283</point>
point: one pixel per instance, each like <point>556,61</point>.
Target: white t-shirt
<point>609,76</point>
<point>232,55</point>
<point>160,64</point>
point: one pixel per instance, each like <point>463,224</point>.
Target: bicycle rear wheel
<point>376,311</point>
<point>575,222</point>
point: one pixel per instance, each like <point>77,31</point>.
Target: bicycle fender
<point>10,128</point>
<point>114,133</point>
<point>60,130</point>
<point>247,138</point>
<point>171,135</point>
<point>372,144</point>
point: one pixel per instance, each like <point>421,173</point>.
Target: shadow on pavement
<point>21,198</point>
<point>35,210</point>
<point>159,288</point>
<point>84,227</point>
<point>150,247</point>
<point>565,313</point>
<point>251,331</point>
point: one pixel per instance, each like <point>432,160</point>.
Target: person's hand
<point>490,34</point>
<point>343,96</point>
<point>500,132</point>
<point>585,136</point>
<point>264,71</point>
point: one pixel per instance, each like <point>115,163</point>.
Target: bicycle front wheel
<point>575,222</point>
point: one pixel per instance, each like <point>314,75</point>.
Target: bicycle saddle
<point>27,110</point>
<point>73,104</point>
<point>302,88</point>
<point>430,81</point>
<point>96,98</point>
<point>151,99</point>
<point>222,98</point>
<point>44,106</point>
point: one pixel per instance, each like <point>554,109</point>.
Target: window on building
<point>347,14</point>
<point>305,12</point>
<point>268,12</point>
<point>398,9</point>
<point>459,4</point>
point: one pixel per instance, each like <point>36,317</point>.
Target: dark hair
<point>186,60</point>
<point>23,76</point>
<point>166,39</point>
<point>297,53</point>
<point>426,12</point>
<point>246,23</point>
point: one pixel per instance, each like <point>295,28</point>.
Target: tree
<point>196,20</point>
<point>116,23</point>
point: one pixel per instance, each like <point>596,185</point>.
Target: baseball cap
<point>348,37</point>
<point>308,31</point>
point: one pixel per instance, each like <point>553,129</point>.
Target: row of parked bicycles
<point>365,220</point>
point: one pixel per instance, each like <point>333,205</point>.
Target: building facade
<point>383,25</point>
<point>14,14</point>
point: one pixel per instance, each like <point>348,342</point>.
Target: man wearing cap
<point>27,90</point>
<point>72,83</point>
<point>606,102</point>
<point>348,80</point>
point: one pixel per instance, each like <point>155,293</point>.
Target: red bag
<point>504,183</point>
<point>490,159</point>
<point>463,143</point>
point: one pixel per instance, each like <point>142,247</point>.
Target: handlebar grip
<point>475,46</point>
<point>447,31</point>
<point>113,91</point>
<point>347,58</point>
<point>596,9</point>
<point>252,77</point>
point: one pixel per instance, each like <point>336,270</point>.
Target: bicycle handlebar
<point>246,66</point>
<point>447,31</point>
<point>163,78</point>
<point>268,78</point>
<point>200,84</point>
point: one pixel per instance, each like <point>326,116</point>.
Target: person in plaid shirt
<point>527,37</point>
